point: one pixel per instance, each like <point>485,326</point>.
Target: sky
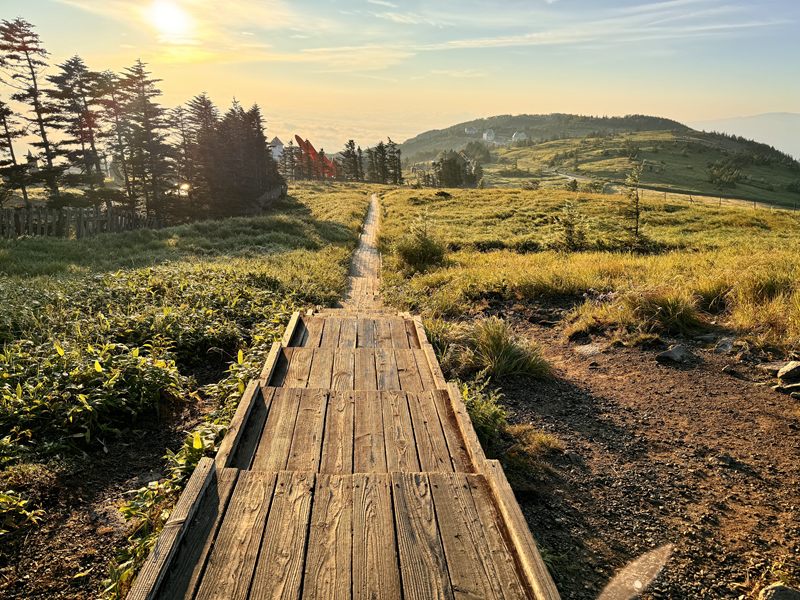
<point>332,70</point>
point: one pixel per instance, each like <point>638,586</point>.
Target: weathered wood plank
<point>376,574</point>
<point>455,443</point>
<point>407,372</point>
<point>272,362</point>
<point>348,333</point>
<point>369,451</point>
<point>330,334</point>
<point>279,572</point>
<point>424,370</point>
<point>434,456</point>
<point>233,560</point>
<point>187,567</point>
<point>524,545</point>
<point>469,560</point>
<point>386,369</point>
<point>366,333</point>
<point>313,333</point>
<point>398,433</point>
<point>365,374</point>
<point>276,441</point>
<point>321,368</point>
<point>299,368</point>
<point>337,445</point>
<point>411,332</point>
<point>383,333</point>
<point>281,367</point>
<point>465,427</point>
<point>344,369</point>
<point>422,562</point>
<point>158,562</point>
<point>399,333</point>
<point>252,395</point>
<point>289,332</point>
<point>495,534</point>
<point>328,567</point>
<point>433,364</point>
<point>242,456</point>
<point>308,431</point>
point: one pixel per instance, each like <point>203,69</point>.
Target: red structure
<point>307,148</point>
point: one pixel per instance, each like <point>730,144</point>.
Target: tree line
<point>192,161</point>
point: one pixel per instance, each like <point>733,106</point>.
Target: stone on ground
<point>779,591</point>
<point>676,354</point>
<point>790,371</point>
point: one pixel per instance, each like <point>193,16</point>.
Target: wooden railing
<point>69,222</point>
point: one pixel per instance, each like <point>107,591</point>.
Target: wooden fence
<point>68,222</point>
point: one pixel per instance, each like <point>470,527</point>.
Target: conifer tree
<point>14,173</point>
<point>360,165</point>
<point>112,100</point>
<point>381,163</point>
<point>372,174</point>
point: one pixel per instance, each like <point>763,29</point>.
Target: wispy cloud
<point>464,73</point>
<point>383,3</point>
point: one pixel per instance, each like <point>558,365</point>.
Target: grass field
<point>710,268</point>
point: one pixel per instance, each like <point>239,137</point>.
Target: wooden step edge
<point>158,562</point>
<point>433,363</point>
<point>474,448</point>
<point>269,365</point>
<point>530,561</point>
<point>290,329</point>
<point>227,448</point>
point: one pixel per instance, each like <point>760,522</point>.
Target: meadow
<point>103,335</point>
<point>705,268</point>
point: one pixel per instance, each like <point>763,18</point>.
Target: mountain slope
<point>781,130</point>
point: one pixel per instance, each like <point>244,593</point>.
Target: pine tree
<point>23,59</point>
<point>381,163</point>
<point>287,162</point>
<point>321,166</point>
<point>16,175</point>
<point>372,174</point>
<point>394,163</point>
<point>360,165</point>
<point>350,160</point>
<point>203,119</point>
<point>112,100</point>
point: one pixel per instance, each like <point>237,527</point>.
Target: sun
<point>173,22</point>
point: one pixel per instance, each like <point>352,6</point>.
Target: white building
<point>471,130</point>
<point>489,135</point>
<point>518,137</point>
<point>277,147</point>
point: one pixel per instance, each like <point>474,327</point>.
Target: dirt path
<point>363,284</point>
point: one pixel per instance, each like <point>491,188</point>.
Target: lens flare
<point>170,20</point>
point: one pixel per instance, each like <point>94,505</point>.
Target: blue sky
<point>331,70</point>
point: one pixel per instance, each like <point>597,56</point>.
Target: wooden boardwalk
<point>350,470</point>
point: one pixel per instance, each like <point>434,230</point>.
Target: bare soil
<point>687,454</point>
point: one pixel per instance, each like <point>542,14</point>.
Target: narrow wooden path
<point>350,470</point>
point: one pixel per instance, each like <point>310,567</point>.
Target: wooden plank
<point>252,395</point>
<point>401,453</point>
<point>337,445</point>
<point>419,327</point>
<point>330,333</point>
<point>497,539</point>
<point>531,562</point>
<point>424,370</point>
<point>233,560</point>
<point>434,456</point>
<point>433,364</point>
<point>407,372</point>
<point>313,334</point>
<point>462,419</point>
<point>308,431</point>
<point>321,368</point>
<point>348,333</point>
<point>344,368</point>
<point>157,563</point>
<point>276,441</point>
<point>469,561</point>
<point>365,377</point>
<point>242,456</point>
<point>369,452</point>
<point>281,367</point>
<point>366,333</point>
<point>328,573</point>
<point>386,369</point>
<point>383,333</point>
<point>376,574</point>
<point>279,572</point>
<point>455,443</point>
<point>411,332</point>
<point>271,364</point>
<point>422,561</point>
<point>399,333</point>
<point>299,368</point>
<point>288,334</point>
<point>188,566</point>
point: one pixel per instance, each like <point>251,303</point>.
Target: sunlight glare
<point>173,23</point>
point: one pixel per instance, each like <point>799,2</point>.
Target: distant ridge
<point>781,130</point>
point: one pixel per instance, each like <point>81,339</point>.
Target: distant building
<point>471,130</point>
<point>519,137</point>
<point>33,164</point>
<point>488,135</point>
<point>277,147</point>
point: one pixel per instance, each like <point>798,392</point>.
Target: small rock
<point>588,350</point>
<point>772,368</point>
<point>594,364</point>
<point>677,354</point>
<point>778,591</point>
<point>729,370</point>
<point>790,371</point>
<point>549,323</point>
<point>707,338</point>
<point>723,459</point>
<point>725,346</point>
<point>146,478</point>
<point>574,458</point>
<point>787,389</point>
